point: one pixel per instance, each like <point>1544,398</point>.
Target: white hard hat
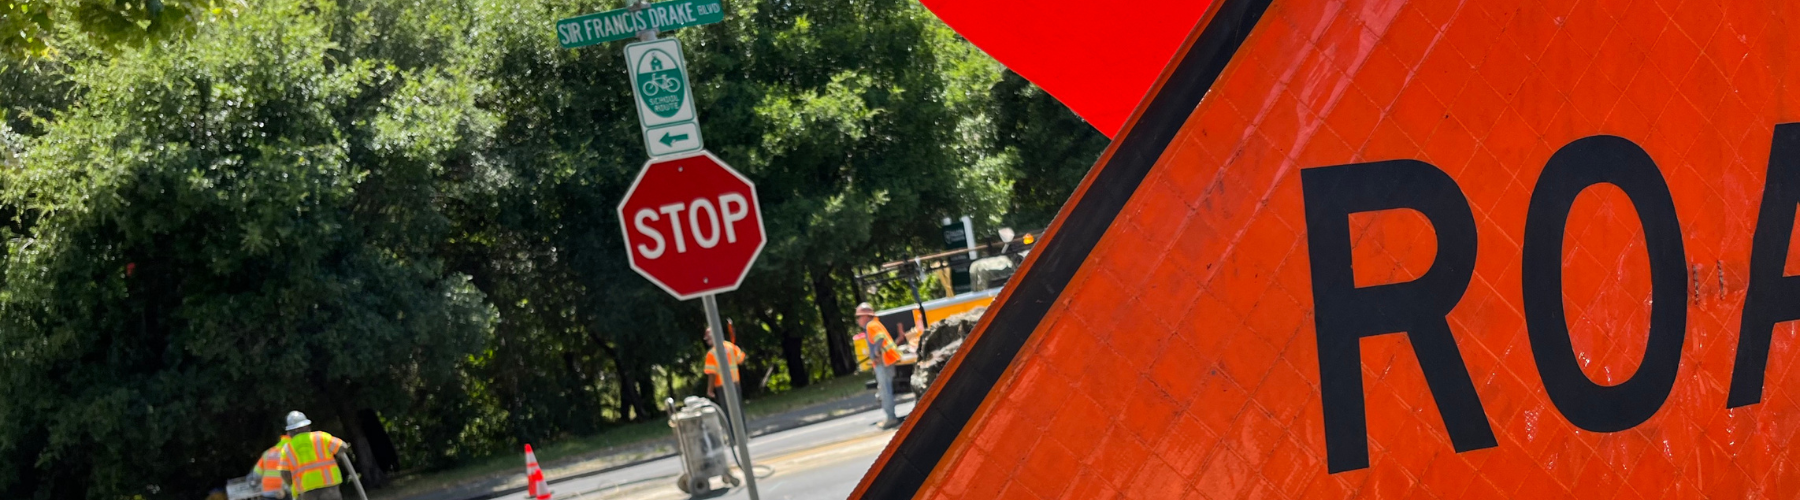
<point>297,420</point>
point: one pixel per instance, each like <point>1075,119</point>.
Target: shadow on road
<point>712,493</point>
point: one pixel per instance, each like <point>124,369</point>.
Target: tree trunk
<point>633,402</point>
<point>647,389</point>
<point>831,315</point>
<point>792,339</point>
<point>628,392</point>
<point>791,343</point>
<point>361,450</point>
<point>382,445</point>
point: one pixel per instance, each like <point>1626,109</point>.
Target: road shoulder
<point>610,459</point>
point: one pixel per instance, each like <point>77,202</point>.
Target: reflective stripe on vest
<point>315,463</point>
<point>271,466</point>
<point>890,354</point>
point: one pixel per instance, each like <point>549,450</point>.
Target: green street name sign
<point>582,31</point>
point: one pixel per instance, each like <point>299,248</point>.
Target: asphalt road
<point>822,461</point>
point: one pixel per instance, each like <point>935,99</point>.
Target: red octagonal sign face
<point>692,225</point>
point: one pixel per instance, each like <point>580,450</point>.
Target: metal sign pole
<point>732,399</point>
<point>649,31</point>
<point>913,282</point>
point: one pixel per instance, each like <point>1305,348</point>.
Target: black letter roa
<point>1772,296</point>
<point>1575,167</point>
<point>1344,314</point>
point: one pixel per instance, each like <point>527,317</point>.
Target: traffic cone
<point>536,486</point>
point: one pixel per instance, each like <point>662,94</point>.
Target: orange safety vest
<point>314,456</point>
<point>274,461</point>
<point>712,363</point>
<point>890,355</point>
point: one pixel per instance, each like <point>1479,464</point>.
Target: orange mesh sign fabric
<point>1504,249</point>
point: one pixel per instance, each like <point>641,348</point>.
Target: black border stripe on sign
<point>938,425</point>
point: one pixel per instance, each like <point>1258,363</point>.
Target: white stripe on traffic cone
<point>537,487</point>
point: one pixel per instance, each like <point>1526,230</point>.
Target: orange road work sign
<point>1409,249</point>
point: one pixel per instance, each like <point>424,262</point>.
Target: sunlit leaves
<point>225,223</point>
<point>41,29</point>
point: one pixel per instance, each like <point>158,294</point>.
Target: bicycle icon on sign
<point>660,83</point>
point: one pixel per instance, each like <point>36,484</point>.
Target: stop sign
<point>692,225</point>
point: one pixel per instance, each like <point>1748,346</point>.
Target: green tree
<point>1046,146</point>
<point>836,109</point>
<point>406,210</point>
<point>40,29</point>
<point>227,228</point>
<point>844,114</point>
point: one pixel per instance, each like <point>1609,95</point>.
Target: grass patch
<point>821,392</point>
<point>614,440</point>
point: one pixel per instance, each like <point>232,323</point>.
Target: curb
<point>759,432</point>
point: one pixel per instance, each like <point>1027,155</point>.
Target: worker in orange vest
<point>876,350</point>
<point>274,470</point>
<point>314,455</point>
<point>712,367</point>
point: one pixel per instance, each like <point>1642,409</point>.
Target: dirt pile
<point>939,343</point>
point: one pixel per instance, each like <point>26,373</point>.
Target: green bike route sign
<point>659,82</point>
<point>662,85</point>
<point>619,24</point>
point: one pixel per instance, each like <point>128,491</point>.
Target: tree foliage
<point>234,227</point>
<point>218,212</point>
<point>1047,147</point>
<point>41,29</point>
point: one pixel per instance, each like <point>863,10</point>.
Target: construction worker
<point>874,338</point>
<point>712,367</point>
<point>274,470</point>
<point>314,455</point>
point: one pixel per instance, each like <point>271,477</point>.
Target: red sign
<point>1102,82</point>
<point>692,225</point>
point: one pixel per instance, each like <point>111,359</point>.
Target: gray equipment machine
<point>700,436</point>
<point>242,488</point>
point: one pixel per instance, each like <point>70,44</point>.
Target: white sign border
<point>625,229</point>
